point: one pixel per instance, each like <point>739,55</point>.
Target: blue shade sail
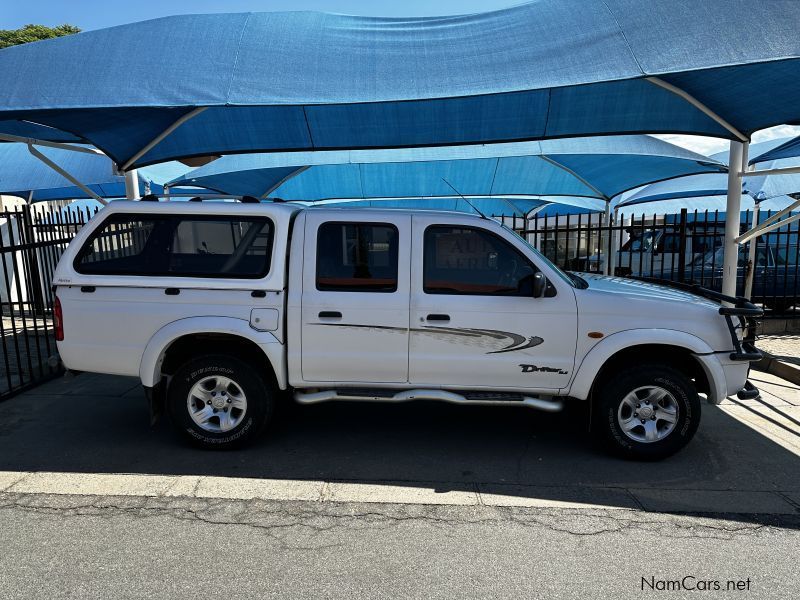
<point>597,168</point>
<point>24,175</point>
<point>787,149</point>
<point>701,204</point>
<point>497,207</point>
<point>486,206</point>
<point>691,190</point>
<point>33,131</point>
<point>312,81</point>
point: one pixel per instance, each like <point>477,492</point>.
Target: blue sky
<point>94,14</point>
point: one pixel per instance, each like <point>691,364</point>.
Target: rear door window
<point>357,257</point>
<point>179,246</point>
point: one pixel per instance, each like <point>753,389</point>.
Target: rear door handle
<point>435,317</point>
<point>330,314</point>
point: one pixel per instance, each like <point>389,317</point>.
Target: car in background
<point>651,252</point>
<point>774,281</point>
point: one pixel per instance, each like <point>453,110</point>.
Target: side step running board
<point>549,404</point>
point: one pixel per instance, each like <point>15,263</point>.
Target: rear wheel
<point>647,412</point>
<point>219,401</point>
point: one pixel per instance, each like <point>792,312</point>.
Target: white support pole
<point>160,137</point>
<point>780,171</point>
<point>751,258</point>
<point>771,224</point>
<point>585,182</point>
<point>5,137</point>
<point>612,254</point>
<point>281,182</point>
<point>732,217</point>
<point>626,232</point>
<point>66,175</point>
<point>698,105</point>
<point>132,185</point>
<point>530,237</point>
<point>604,238</point>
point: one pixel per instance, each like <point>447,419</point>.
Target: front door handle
<point>330,314</point>
<point>435,317</point>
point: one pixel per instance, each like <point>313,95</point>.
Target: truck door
<point>474,322</point>
<point>355,298</point>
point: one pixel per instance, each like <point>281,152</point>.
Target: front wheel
<point>219,401</point>
<point>647,412</point>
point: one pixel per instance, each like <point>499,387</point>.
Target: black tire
<point>259,394</point>
<point>609,412</point>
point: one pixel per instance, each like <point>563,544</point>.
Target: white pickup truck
<point>217,307</point>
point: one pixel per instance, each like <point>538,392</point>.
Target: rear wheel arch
<point>193,345</point>
<point>187,338</point>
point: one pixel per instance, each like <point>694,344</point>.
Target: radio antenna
<point>475,208</point>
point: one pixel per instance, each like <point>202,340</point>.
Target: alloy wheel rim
<point>648,414</point>
<point>216,404</point>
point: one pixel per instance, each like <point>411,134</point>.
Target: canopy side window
<point>179,246</point>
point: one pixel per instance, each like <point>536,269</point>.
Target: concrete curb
<point>774,366</point>
<point>167,487</point>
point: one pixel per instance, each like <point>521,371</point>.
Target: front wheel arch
<point>666,343</point>
<point>676,357</point>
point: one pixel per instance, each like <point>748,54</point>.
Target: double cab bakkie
<point>222,308</point>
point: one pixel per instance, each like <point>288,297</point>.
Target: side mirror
<point>539,285</point>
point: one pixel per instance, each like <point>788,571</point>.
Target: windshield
<point>640,242</point>
<point>542,257</point>
<point>714,258</point>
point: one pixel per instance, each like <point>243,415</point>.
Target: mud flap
<point>156,399</point>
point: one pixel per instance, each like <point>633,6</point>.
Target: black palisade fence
<point>32,240</point>
<point>685,247</point>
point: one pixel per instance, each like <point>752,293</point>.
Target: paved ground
<point>417,500</point>
<point>783,347</point>
<point>25,347</point>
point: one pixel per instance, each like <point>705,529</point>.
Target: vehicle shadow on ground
<point>98,424</point>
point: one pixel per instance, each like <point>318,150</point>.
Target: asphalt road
<point>80,547</point>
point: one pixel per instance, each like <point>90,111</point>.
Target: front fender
<point>594,360</point>
<point>153,357</point>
